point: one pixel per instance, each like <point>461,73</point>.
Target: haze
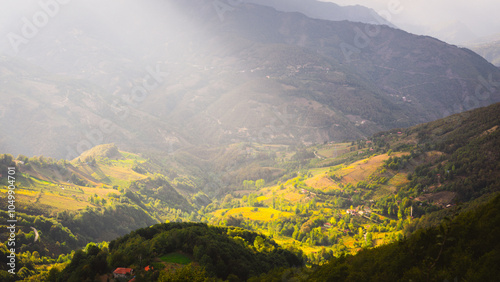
<point>131,24</point>
<point>454,21</point>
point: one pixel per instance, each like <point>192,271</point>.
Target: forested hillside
<point>464,247</point>
<point>224,253</point>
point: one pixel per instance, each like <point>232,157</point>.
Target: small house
<point>352,212</point>
<point>122,272</point>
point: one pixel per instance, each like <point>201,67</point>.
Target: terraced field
<point>261,214</point>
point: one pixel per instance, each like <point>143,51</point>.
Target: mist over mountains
<point>165,75</point>
<point>326,11</point>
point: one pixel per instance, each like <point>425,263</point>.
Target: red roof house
<point>122,272</point>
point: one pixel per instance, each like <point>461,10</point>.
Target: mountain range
<point>326,11</point>
<point>256,75</point>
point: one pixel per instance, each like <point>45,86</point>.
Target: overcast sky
<point>481,17</point>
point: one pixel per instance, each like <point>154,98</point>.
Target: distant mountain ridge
<point>326,10</point>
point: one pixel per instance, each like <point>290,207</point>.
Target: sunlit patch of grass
<point>382,191</point>
<point>262,214</point>
<point>131,156</point>
<point>288,242</point>
<point>398,180</point>
<point>118,182</point>
<point>292,196</point>
<point>321,182</point>
<point>24,192</point>
<point>349,242</point>
<point>176,258</point>
<point>362,169</point>
<point>218,213</point>
<point>100,191</point>
<point>261,198</point>
<point>25,198</point>
<point>333,150</point>
<point>39,182</point>
<point>319,171</point>
<point>61,202</point>
<point>124,173</point>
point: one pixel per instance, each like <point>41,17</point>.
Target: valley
<point>319,202</point>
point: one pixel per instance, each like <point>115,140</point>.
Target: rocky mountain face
<point>207,73</point>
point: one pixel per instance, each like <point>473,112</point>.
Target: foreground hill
<point>225,253</point>
<point>258,75</point>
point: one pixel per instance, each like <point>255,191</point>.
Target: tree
<point>52,276</point>
<point>341,224</point>
<point>35,256</point>
<point>260,183</point>
<point>252,200</point>
<point>400,213</point>
<point>368,240</point>
<point>360,233</point>
<point>259,244</point>
<point>226,203</point>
